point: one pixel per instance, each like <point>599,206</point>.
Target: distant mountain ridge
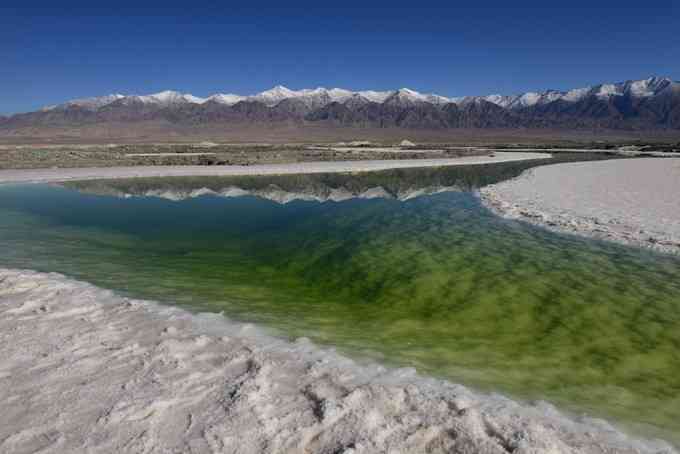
<point>640,88</point>
<point>652,103</point>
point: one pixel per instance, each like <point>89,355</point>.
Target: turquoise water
<point>436,282</point>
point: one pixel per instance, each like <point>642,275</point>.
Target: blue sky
<point>50,53</point>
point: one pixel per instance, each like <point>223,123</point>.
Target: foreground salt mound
<point>85,370</point>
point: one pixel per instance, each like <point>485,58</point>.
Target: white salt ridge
<point>85,370</point>
<point>631,201</point>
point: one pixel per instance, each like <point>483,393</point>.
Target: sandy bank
<point>84,370</point>
<point>59,174</point>
<point>631,201</point>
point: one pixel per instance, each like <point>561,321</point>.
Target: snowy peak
<point>375,96</point>
<point>227,99</point>
<point>635,89</point>
<point>526,100</point>
<point>576,94</point>
<point>168,98</point>
<point>648,87</point>
<point>499,100</point>
<point>608,90</point>
<point>340,94</point>
<point>89,103</point>
<point>531,99</point>
<point>311,97</point>
<point>437,99</point>
<point>406,96</point>
<point>274,95</point>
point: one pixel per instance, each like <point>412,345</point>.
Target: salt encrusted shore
<point>632,201</point>
<point>85,370</point>
<point>64,174</point>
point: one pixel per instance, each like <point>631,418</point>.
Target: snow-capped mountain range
<point>637,105</point>
<point>271,97</point>
<point>319,97</point>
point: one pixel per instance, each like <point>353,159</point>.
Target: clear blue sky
<point>61,50</point>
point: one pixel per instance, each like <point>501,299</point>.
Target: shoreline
<point>86,369</point>
<point>632,202</point>
<point>66,174</point>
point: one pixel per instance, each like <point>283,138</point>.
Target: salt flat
<point>64,174</point>
<point>633,201</point>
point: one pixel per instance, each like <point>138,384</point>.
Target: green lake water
<point>436,282</point>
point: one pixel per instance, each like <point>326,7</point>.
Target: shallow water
<point>436,282</point>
